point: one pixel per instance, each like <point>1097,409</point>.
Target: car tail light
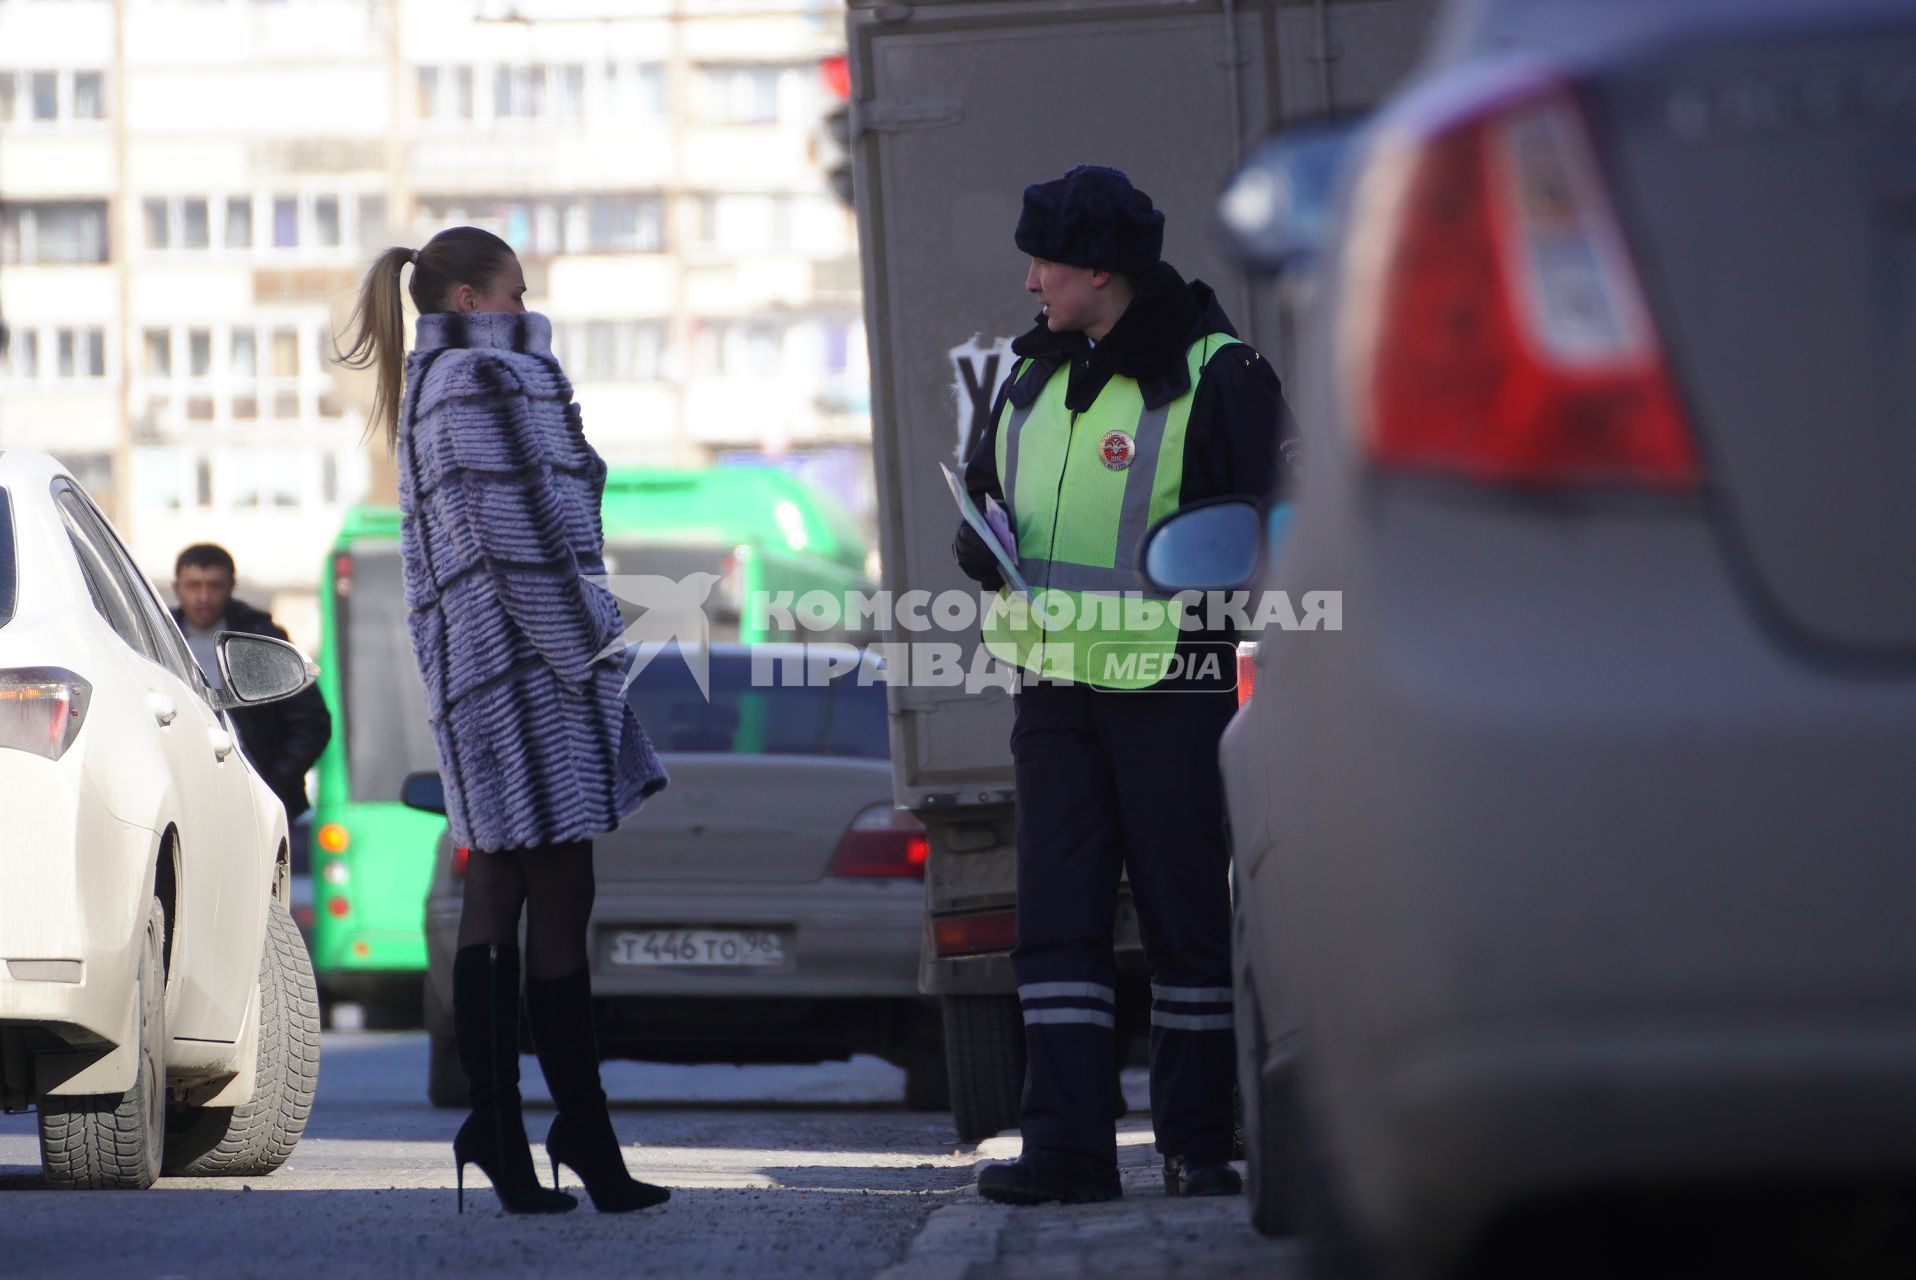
<point>968,935</point>
<point>1246,670</point>
<point>1494,326</point>
<point>41,709</point>
<point>883,843</point>
<point>460,856</point>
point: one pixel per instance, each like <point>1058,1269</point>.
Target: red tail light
<point>883,843</point>
<point>969,935</point>
<point>1494,325</point>
<point>460,856</point>
<point>1246,671</point>
<point>41,709</point>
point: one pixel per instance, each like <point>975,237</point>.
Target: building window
<point>199,408</point>
<point>53,232</point>
<point>614,350</point>
<point>80,353</point>
<point>329,480</point>
<point>740,93</point>
<point>199,353</point>
<point>326,221</point>
<point>285,353</point>
<point>193,224</point>
<point>157,224</point>
<point>159,353</point>
<point>286,405</point>
<point>46,95</point>
<point>203,481</point>
<point>239,222</point>
<point>89,95</point>
<point>95,348</point>
<point>65,358</point>
<point>9,89</point>
<point>568,86</point>
<point>372,221</point>
<point>23,354</point>
<point>443,93</point>
<point>638,89</point>
<point>627,224</point>
<point>245,354</point>
<point>518,93</point>
<point>285,222</point>
<point>245,408</point>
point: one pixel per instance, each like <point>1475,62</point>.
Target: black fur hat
<point>1092,217</point>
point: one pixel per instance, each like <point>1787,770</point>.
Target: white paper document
<point>993,525</point>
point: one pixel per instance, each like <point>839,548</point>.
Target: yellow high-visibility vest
<point>1082,488</point>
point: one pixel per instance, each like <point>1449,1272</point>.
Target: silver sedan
<point>767,906</point>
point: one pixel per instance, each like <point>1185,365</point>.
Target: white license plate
<point>683,947</point>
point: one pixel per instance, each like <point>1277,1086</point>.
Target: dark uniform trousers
<point>1110,781</point>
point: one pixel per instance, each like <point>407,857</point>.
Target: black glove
<point>975,558</point>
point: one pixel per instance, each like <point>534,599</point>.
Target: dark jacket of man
<point>284,738</point>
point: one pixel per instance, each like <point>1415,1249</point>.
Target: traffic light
<point>835,133</point>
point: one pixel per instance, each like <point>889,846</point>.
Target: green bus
<point>759,529</point>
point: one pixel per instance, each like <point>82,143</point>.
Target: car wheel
<point>1267,1135</point>
<point>985,1061</point>
<point>445,1078</point>
<point>927,1079</point>
<point>109,1142</point>
<point>254,1139</point>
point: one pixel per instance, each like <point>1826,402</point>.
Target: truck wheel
<point>985,1060</point>
<point>927,1081</point>
<point>112,1142</point>
<point>254,1139</point>
<point>445,1078</point>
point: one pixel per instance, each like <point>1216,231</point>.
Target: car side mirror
<point>424,791</point>
<point>260,669</point>
<point>1208,546</point>
<point>1277,212</point>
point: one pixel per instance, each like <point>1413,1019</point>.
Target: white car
<point>156,1003</point>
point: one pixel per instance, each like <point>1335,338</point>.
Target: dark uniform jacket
<point>282,738</point>
<point>1238,415</point>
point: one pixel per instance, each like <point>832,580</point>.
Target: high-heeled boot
<point>485,1023</point>
<point>581,1137</point>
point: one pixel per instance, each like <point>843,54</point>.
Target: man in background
<point>283,738</point>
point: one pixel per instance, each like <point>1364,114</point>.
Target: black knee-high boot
<point>581,1137</point>
<point>485,1023</point>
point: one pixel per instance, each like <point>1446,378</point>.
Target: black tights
<point>553,882</point>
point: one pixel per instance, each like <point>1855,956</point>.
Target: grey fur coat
<point>500,499</point>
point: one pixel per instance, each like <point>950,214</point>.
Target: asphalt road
<point>775,1171</point>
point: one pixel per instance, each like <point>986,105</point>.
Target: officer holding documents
<point>1132,397</point>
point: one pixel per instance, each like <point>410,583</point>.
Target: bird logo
<point>670,615</point>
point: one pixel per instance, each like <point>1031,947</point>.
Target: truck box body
<point>956,106</point>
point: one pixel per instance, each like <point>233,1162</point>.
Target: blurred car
<point>156,1004</point>
<point>1578,863</point>
<point>767,905</point>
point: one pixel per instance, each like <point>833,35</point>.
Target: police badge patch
<point>1117,449</point>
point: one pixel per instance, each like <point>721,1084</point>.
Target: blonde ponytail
<point>377,332</point>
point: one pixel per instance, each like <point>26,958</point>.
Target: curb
<point>952,1241</point>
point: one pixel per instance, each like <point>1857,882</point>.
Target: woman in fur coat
<point>519,650</point>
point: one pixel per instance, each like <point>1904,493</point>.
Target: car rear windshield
<point>841,718</point>
<point>7,578</point>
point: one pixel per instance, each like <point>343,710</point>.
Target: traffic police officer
<point>1132,398</point>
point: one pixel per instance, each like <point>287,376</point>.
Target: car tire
<point>985,1063</point>
<point>254,1139</point>
<point>112,1142</point>
<point>1267,1123</point>
<point>445,1079</point>
<point>927,1079</point>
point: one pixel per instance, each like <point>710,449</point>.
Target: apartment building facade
<point>191,189</point>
